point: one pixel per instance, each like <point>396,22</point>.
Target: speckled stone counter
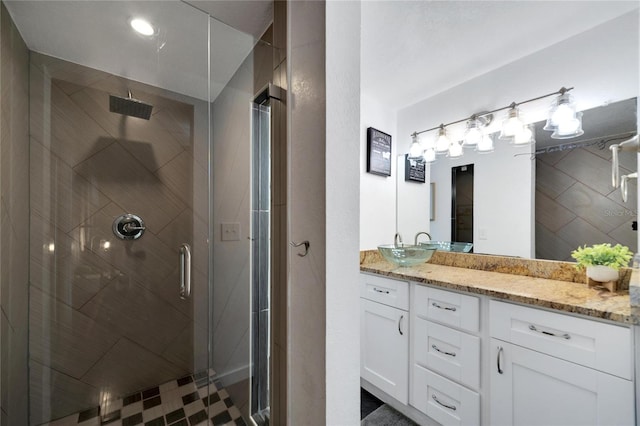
<point>634,295</point>
<point>562,295</point>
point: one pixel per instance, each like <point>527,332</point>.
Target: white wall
<point>342,198</point>
<point>602,65</point>
<point>377,193</point>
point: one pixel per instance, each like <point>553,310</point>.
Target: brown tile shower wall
<point>105,315</point>
<point>576,204</point>
<point>14,222</point>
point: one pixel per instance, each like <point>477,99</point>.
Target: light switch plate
<point>230,232</point>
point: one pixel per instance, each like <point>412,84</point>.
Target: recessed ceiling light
<point>143,26</point>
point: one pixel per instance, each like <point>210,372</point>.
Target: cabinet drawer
<point>604,347</point>
<point>446,307</point>
<point>385,290</point>
<point>443,400</point>
<point>453,354</point>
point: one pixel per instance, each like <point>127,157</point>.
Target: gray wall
<point>14,224</point>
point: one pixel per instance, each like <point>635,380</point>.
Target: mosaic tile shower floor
<point>182,402</point>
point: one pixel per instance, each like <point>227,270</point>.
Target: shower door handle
<point>185,271</point>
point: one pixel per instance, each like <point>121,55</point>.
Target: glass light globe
<point>563,113</point>
<point>429,155</point>
<point>562,110</point>
<point>415,150</point>
<point>455,150</point>
<point>486,144</point>
<point>569,129</point>
<point>443,142</point>
<point>512,125</point>
<point>523,137</point>
<point>473,135</point>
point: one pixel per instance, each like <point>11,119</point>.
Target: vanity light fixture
<point>564,121</point>
<point>142,26</point>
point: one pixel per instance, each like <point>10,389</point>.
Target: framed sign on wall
<point>378,152</point>
<point>414,171</point>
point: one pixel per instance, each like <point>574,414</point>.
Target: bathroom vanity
<point>463,346</point>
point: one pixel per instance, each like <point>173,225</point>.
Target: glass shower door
<point>119,263</point>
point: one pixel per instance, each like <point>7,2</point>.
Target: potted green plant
<point>602,261</point>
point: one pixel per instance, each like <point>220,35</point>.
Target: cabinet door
<point>530,388</point>
<point>384,348</point>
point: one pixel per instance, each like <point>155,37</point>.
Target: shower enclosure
<point>139,159</point>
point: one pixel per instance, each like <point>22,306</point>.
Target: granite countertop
<point>564,296</point>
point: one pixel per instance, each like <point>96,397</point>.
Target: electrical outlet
<point>482,234</point>
<point>230,232</point>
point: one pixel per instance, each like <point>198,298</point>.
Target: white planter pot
<point>602,273</point>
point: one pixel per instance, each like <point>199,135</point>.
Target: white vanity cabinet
<point>449,357</point>
<point>445,355</point>
<point>554,369</point>
<point>384,335</point>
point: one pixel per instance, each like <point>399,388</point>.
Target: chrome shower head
<point>130,106</point>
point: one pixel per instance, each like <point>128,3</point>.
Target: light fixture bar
<point>562,91</point>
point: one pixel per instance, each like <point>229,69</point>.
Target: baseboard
<point>231,377</point>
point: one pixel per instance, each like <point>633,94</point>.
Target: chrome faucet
<point>415,243</point>
<point>397,239</point>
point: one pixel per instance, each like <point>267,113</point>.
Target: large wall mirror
<point>543,200</point>
<point>567,183</point>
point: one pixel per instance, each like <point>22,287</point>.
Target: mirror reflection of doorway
<point>462,203</point>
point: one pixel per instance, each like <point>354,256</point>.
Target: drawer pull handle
<point>381,291</point>
<point>548,333</point>
<point>446,308</point>
<point>450,407</point>
<point>443,352</point>
<point>400,325</point>
<point>500,370</point>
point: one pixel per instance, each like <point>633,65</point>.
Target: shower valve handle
<point>130,227</point>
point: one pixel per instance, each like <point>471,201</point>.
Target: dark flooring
<point>368,403</point>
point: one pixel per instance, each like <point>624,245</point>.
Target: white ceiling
<point>412,50</point>
<point>249,16</point>
<point>97,34</point>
